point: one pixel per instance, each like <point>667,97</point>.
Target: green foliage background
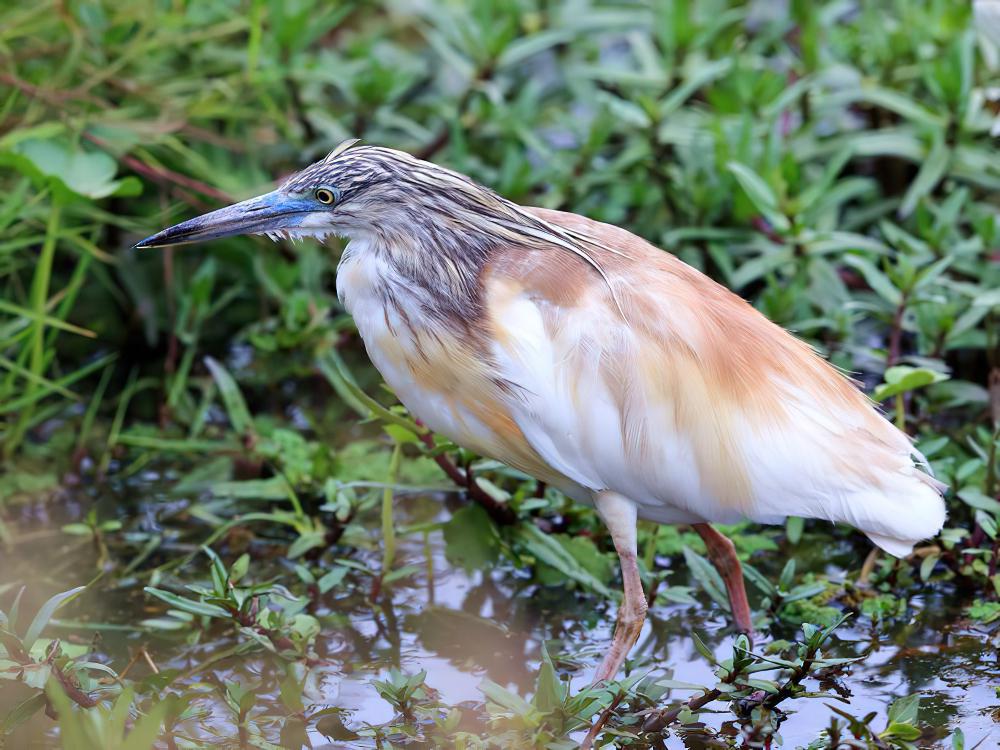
<point>830,161</point>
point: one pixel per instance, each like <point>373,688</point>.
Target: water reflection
<point>460,627</point>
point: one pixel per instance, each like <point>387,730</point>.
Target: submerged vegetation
<point>218,529</point>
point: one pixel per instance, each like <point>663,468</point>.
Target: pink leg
<point>723,556</point>
<point>620,516</point>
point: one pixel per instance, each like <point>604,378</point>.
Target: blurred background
<point>194,435</point>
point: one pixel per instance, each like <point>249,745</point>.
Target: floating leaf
<point>471,539</point>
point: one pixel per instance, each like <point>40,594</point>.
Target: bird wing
<point>654,381</point>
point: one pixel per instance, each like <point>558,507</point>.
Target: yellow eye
<point>324,196</point>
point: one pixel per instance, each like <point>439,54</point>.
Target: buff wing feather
<point>655,382</point>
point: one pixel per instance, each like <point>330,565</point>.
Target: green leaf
<point>70,171</point>
<point>471,539</point>
<point>793,529</point>
<point>548,689</point>
<point>768,686</point>
<point>36,675</point>
<point>21,713</point>
<point>332,579</point>
<point>903,378</point>
<point>931,171</point>
<point>989,298</point>
<point>899,731</point>
<point>702,649</point>
<point>272,488</point>
<point>306,542</point>
<point>976,499</point>
<point>706,575</point>
<point>680,685</point>
<point>877,280</point>
<point>900,103</point>
<point>45,613</point>
<point>987,523</point>
<point>549,550</point>
<point>805,591</point>
<point>236,407</point>
<point>187,605</point>
<point>333,368</point>
<point>819,188</point>
<point>760,194</point>
<point>904,710</point>
<point>585,552</point>
<point>521,49</point>
<point>787,574</point>
<point>146,729</point>
<point>927,566</point>
<point>239,568</point>
<point>505,698</point>
<point>984,611</point>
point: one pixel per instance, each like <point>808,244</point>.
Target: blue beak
<point>270,212</point>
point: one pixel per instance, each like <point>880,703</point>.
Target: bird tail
<point>898,516</point>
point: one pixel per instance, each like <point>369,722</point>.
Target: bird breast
<point>441,373</point>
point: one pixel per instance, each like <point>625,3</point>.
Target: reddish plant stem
<point>500,513</point>
<point>162,174</point>
<point>69,685</point>
<point>588,741</point>
<point>73,690</point>
<point>662,719</point>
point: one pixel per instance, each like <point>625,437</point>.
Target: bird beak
<point>271,212</point>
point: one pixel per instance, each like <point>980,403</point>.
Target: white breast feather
<point>360,276</point>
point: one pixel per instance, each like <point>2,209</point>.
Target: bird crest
<point>341,148</point>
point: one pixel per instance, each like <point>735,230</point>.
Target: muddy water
<point>461,627</point>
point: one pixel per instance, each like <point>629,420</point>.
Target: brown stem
<point>664,718</point>
<point>73,690</point>
<point>785,691</point>
<point>162,174</point>
<point>501,514</point>
<point>588,741</point>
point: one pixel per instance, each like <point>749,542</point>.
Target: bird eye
<point>324,196</point>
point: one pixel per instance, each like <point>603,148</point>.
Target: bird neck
<point>427,274</point>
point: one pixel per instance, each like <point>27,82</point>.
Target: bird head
<point>348,193</point>
<point>436,226</point>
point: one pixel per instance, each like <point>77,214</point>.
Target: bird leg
<point>619,515</point>
<point>722,553</point>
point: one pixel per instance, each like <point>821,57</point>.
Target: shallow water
<point>461,628</point>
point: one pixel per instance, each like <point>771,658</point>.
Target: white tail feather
<point>895,547</point>
<point>900,515</point>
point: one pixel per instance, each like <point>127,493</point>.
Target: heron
<point>586,357</point>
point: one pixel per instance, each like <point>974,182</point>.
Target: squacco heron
<point>590,359</point>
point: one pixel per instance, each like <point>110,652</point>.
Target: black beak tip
<point>151,241</point>
<point>160,239</point>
